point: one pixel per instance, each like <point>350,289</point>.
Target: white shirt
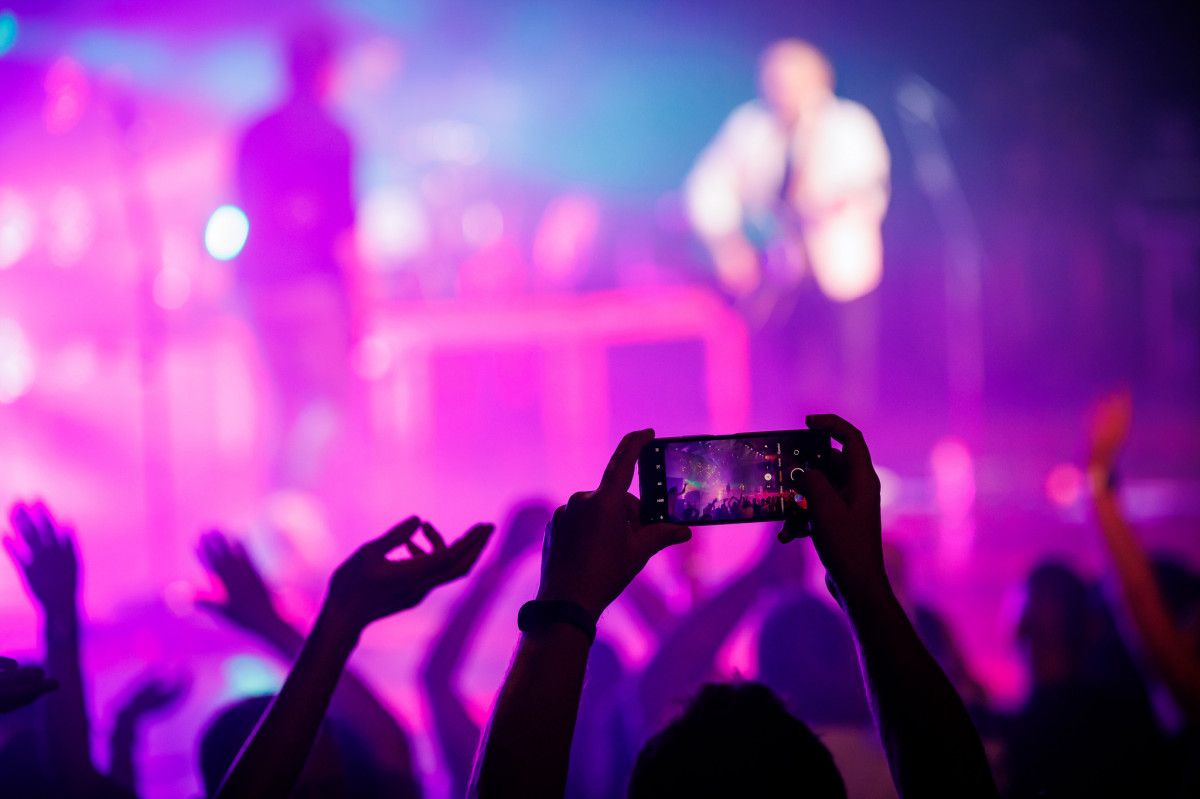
<point>840,165</point>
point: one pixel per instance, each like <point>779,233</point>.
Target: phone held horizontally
<point>747,477</point>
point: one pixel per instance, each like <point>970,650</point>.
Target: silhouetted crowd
<point>866,694</point>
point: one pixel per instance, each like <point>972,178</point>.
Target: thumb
<point>823,500</point>
<point>393,538</point>
<point>657,537</point>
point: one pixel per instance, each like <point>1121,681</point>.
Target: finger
<point>657,537</point>
<point>27,675</point>
<point>20,519</point>
<point>10,546</point>
<point>435,538</point>
<point>854,447</point>
<point>45,524</point>
<point>465,552</point>
<point>619,473</point>
<point>823,501</point>
<point>213,607</point>
<point>27,694</point>
<point>791,530</point>
<point>415,550</point>
<point>393,537</point>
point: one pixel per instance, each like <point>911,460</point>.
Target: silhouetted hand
<point>596,544</point>
<point>1109,428</point>
<point>51,570</point>
<point>846,527</point>
<point>369,585</point>
<point>247,600</point>
<point>21,686</point>
<point>155,696</point>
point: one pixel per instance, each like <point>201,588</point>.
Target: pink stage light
<point>17,226</point>
<point>16,361</point>
<point>226,232</point>
<point>72,227</point>
<point>1064,484</point>
<point>482,224</point>
<point>392,227</point>
<point>67,93</point>
<point>565,238</point>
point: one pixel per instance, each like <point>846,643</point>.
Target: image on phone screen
<point>728,479</point>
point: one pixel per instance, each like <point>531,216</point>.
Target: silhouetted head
<point>310,54</point>
<point>736,739</point>
<point>1056,624</point>
<point>323,775</point>
<point>806,654</point>
<point>1180,588</point>
<point>795,80</point>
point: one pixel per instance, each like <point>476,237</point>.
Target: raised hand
<point>247,600</point>
<point>846,527</point>
<point>21,686</point>
<point>596,544</point>
<point>370,586</point>
<point>48,562</point>
<point>366,587</point>
<point>155,696</point>
<point>1109,428</point>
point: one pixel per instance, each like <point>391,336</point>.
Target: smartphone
<point>747,477</point>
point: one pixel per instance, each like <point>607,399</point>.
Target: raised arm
<point>594,547</point>
<point>368,586</point>
<point>685,657</point>
<point>152,697</point>
<point>248,604</point>
<point>932,746</point>
<point>45,556</point>
<point>457,732</point>
<point>1170,650</point>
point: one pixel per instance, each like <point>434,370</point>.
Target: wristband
<point>538,613</point>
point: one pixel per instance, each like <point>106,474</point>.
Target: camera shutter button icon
<point>796,472</point>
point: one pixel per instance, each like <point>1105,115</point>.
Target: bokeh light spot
<point>16,361</point>
<point>247,675</point>
<point>8,31</point>
<point>1064,484</point>
<point>17,223</point>
<point>226,232</point>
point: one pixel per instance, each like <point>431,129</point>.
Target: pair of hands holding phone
<point>595,544</point>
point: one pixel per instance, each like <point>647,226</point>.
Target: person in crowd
<point>1162,598</point>
<point>362,728</point>
<point>368,586</point>
<point>602,750</point>
<point>151,697</point>
<point>296,273</point>
<point>1078,734</point>
<point>1173,648</point>
<point>595,545</point>
<point>44,553</point>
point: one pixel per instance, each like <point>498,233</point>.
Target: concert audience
<point>368,586</point>
<point>570,715</point>
<point>362,730</point>
<point>595,545</point>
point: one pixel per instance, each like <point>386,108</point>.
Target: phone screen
<point>748,477</point>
